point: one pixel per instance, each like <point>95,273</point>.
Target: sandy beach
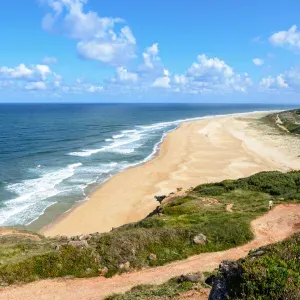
<point>202,151</point>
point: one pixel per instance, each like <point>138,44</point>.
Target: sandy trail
<point>12,231</point>
<point>276,225</point>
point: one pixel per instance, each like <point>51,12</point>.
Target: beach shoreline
<point>129,196</point>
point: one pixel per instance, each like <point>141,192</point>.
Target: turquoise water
<point>57,153</point>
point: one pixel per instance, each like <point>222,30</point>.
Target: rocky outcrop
<point>229,275</point>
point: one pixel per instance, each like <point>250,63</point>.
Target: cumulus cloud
<point>258,61</point>
<point>19,72</point>
<point>22,72</point>
<point>211,74</point>
<point>164,81</point>
<point>151,56</point>
<point>273,83</point>
<point>49,60</point>
<point>37,85</point>
<point>97,37</point>
<point>123,75</point>
<point>289,38</point>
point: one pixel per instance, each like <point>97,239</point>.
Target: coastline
<point>182,160</point>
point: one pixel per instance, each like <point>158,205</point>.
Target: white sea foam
<point>31,195</point>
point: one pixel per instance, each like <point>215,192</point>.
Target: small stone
<point>257,253</point>
<point>200,239</point>
<point>198,277</point>
<point>3,284</point>
<point>68,277</point>
<point>152,257</point>
<point>103,271</point>
<point>125,266</point>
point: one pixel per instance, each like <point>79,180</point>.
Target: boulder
<point>200,239</point>
<point>152,257</point>
<point>79,244</point>
<point>229,274</point>
<point>85,237</point>
<point>197,277</point>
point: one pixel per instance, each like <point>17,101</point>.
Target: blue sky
<point>151,51</point>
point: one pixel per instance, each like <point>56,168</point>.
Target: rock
<point>3,284</point>
<point>210,280</point>
<point>229,275</point>
<point>68,277</point>
<point>257,253</point>
<point>85,237</point>
<point>88,270</point>
<point>200,239</point>
<point>79,244</point>
<point>125,266</point>
<point>152,257</point>
<point>197,277</point>
<point>160,198</point>
<point>103,271</point>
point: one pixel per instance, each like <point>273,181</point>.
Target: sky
<point>150,51</point>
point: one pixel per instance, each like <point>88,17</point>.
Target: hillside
<point>211,217</point>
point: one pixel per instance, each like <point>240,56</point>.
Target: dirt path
<point>279,223</point>
<point>12,231</point>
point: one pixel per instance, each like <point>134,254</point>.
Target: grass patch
<point>168,290</point>
<point>169,237</point>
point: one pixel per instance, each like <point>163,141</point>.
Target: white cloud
<point>258,61</point>
<point>151,55</point>
<point>94,89</point>
<point>44,70</point>
<point>38,85</point>
<point>180,79</point>
<point>19,72</point>
<point>213,74</point>
<point>97,37</point>
<point>273,83</point>
<point>289,38</point>
<point>124,75</point>
<point>49,60</point>
<point>164,81</point>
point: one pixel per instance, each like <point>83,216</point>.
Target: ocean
<point>53,155</point>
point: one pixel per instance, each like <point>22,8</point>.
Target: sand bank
<point>202,151</point>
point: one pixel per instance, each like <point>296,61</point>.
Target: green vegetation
<point>271,272</point>
<point>168,290</point>
<point>271,275</point>
<point>290,120</point>
<point>169,237</point>
<point>274,275</point>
